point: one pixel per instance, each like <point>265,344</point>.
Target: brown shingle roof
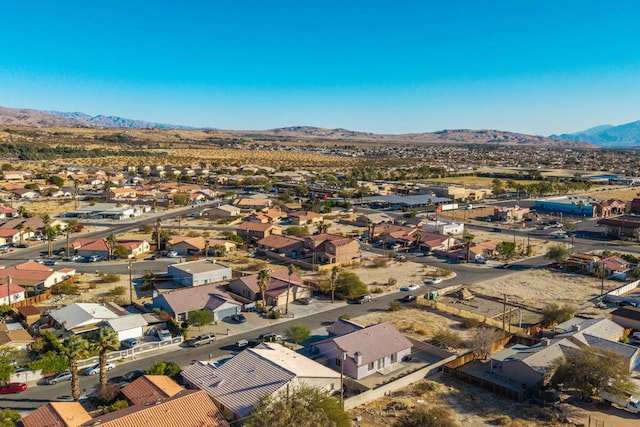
<point>373,342</point>
<point>150,388</point>
<point>186,409</point>
<point>57,414</point>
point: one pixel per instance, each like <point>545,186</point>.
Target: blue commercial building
<point>575,206</point>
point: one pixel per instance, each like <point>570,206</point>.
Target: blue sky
<point>536,67</point>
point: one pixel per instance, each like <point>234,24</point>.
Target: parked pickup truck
<point>626,402</point>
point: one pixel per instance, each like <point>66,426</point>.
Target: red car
<point>13,388</point>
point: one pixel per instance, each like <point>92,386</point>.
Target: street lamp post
<point>129,267</point>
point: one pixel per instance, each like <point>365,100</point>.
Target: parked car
<point>172,254</point>
<point>133,375</point>
<point>12,388</point>
<point>240,344</point>
<point>434,281</point>
<point>409,298</point>
<point>22,246</point>
<point>305,301</point>
<point>51,262</point>
<point>201,340</point>
<point>95,369</point>
<point>555,265</point>
<point>94,258</point>
<point>129,343</point>
<point>482,261</point>
<point>161,334</point>
<point>411,287</point>
<point>59,377</point>
<point>496,230</point>
<point>360,300</point>
<point>505,266</point>
<point>270,337</point>
<point>238,318</point>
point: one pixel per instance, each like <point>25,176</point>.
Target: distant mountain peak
<point>622,136</point>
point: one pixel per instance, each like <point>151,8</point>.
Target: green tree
<point>349,286</point>
<point>423,417</point>
<point>297,230</point>
<point>335,270</point>
<point>9,417</point>
<point>104,341</point>
<point>298,333</point>
<point>181,198</point>
<point>264,277</point>
<point>557,253</point>
<point>554,313</point>
<point>56,180</point>
<point>5,309</point>
<point>121,251</point>
<point>111,243</point>
<point>303,407</point>
<point>590,372</point>
<point>199,318</point>
<point>468,239</point>
<point>291,270</point>
<point>170,369</point>
<point>506,249</point>
<point>75,347</point>
<point>50,232</point>
<point>7,356</point>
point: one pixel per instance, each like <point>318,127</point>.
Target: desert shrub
<point>109,278</point>
<point>395,306</point>
<point>380,262</point>
<point>503,420</point>
<point>446,338</point>
<point>392,281</point>
<point>422,417</point>
<point>377,290</point>
<point>423,387</point>
<point>118,405</point>
<point>344,317</point>
<point>274,314</point>
<point>146,228</point>
<point>470,323</point>
<point>65,288</point>
<point>554,313</point>
<point>118,291</point>
<point>170,369</point>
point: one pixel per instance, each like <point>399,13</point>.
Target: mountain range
<point>622,136</point>
<point>38,118</point>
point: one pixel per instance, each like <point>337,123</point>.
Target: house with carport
<point>276,294</point>
<point>128,326</point>
<point>178,303</point>
<point>186,246</point>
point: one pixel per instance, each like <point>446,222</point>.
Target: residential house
<point>149,389</point>
<point>254,231</point>
<point>8,212</point>
<point>14,336</point>
<point>228,245</point>
<point>200,272</point>
<point>627,317</point>
<point>582,262</point>
<point>365,351</point>
<point>510,214</point>
<point>87,247</point>
<point>443,227</point>
<point>271,216</point>
<point>222,211</point>
<point>374,218</point>
<point>180,302</point>
<point>9,236</point>
<point>30,314</point>
<point>36,277</point>
<point>186,246</point>
<point>57,414</point>
<point>25,193</point>
<point>15,175</point>
<point>616,267</point>
<point>621,226</point>
<point>135,248</point>
<point>128,326</point>
<point>286,246</point>
<point>79,318</point>
<point>305,217</point>
<point>250,203</point>
<point>238,385</point>
<point>276,293</point>
<point>185,408</point>
<point>333,249</point>
<point>10,293</point>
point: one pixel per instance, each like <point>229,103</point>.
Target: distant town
<point>187,277</point>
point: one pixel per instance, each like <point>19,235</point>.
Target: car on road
<point>95,369</point>
<point>94,258</point>
<point>238,318</point>
<point>305,301</point>
<point>555,265</point>
<point>505,266</point>
<point>496,230</point>
<point>360,300</point>
<point>409,298</point>
<point>22,246</point>
<point>270,337</point>
<point>560,236</point>
<point>12,388</point>
<point>59,377</point>
<point>172,254</point>
<point>129,343</point>
<point>51,262</point>
<point>482,261</point>
<point>411,287</point>
<point>434,281</point>
<point>202,340</point>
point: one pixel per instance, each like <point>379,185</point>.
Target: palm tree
<point>46,219</point>
<point>468,238</point>
<point>206,249</point>
<point>291,270</point>
<point>323,227</point>
<point>67,232</point>
<point>111,242</point>
<point>20,227</point>
<point>75,347</point>
<point>264,277</point>
<point>104,341</point>
<point>334,276</point>
<point>158,229</point>
<point>28,230</point>
<point>50,232</point>
<point>418,240</point>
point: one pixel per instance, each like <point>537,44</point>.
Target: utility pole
<point>130,283</point>
<point>504,311</point>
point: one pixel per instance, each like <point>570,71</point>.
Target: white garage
<point>129,326</point>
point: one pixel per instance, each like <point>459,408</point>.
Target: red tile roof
<point>150,388</point>
<point>57,414</point>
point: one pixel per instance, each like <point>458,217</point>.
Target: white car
<point>95,369</point>
<point>413,287</point>
<point>172,254</point>
<point>434,281</point>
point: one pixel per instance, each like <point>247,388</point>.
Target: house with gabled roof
<point>199,272</point>
<point>10,293</point>
<point>222,211</point>
<point>627,317</point>
<point>128,326</point>
<point>276,294</point>
<point>616,267</point>
<point>57,414</point>
<point>305,217</point>
<point>180,302</point>
<point>185,245</point>
<point>148,389</point>
<point>364,351</point>
<point>238,385</point>
<point>254,231</point>
<point>79,318</point>
<point>36,277</point>
<point>287,246</point>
